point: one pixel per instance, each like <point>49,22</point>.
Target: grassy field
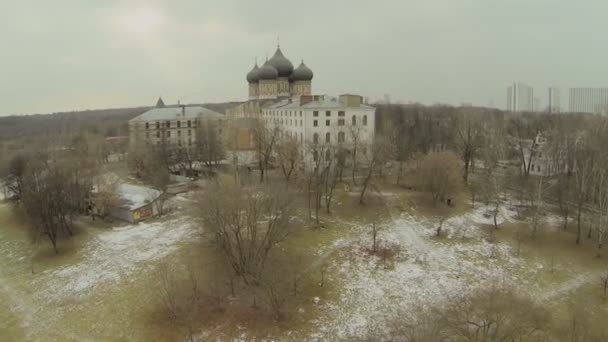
<point>104,284</point>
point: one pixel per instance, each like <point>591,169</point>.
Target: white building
<point>589,100</point>
<point>174,125</point>
<point>324,121</point>
<point>520,98</point>
<point>554,100</point>
<point>540,160</point>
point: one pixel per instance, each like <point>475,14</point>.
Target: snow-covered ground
<point>114,255</point>
<point>425,271</point>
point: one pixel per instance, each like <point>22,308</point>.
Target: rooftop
<point>135,196</point>
<point>174,112</point>
<point>319,101</point>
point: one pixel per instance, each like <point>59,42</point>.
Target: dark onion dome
<point>302,73</point>
<point>253,75</point>
<point>267,72</point>
<point>282,64</point>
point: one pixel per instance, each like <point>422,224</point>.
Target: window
<point>168,124</point>
<point>179,143</point>
<point>179,124</point>
<point>179,133</point>
<point>327,137</point>
<point>158,134</point>
<point>328,113</point>
<point>340,137</point>
<point>341,113</point>
<point>147,125</point>
<point>354,120</point>
<point>315,123</point>
<point>189,142</point>
<point>315,155</point>
<point>315,138</point>
<point>301,137</point>
<point>315,113</point>
<point>328,155</point>
<point>364,120</point>
<point>189,123</point>
<point>168,134</point>
<point>157,125</point>
<point>300,113</point>
<point>300,123</point>
<point>340,122</point>
<point>327,123</point>
<point>189,132</point>
<point>538,168</point>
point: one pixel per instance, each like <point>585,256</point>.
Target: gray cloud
<point>65,54</point>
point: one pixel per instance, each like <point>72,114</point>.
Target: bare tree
<point>583,171</point>
<point>468,138</point>
<point>289,155</point>
<point>54,192</point>
<point>15,175</point>
<point>495,314</point>
<point>247,225</point>
<point>438,174</point>
<point>209,145</point>
<point>536,204</point>
<point>380,152</point>
<point>355,131</point>
<point>266,137</point>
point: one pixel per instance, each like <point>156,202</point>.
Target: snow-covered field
<point>425,271</point>
<point>114,255</point>
<point>107,260</point>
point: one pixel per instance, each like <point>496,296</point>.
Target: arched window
<point>315,138</point>
<point>315,155</point>
<point>340,137</point>
<point>328,155</point>
<point>147,125</point>
<point>354,120</point>
<point>327,137</point>
<point>364,120</point>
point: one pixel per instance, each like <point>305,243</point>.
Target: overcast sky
<point>75,54</point>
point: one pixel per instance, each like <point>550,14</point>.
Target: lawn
<point>104,284</point>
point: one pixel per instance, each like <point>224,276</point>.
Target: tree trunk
<point>399,171</point>
<point>578,223</point>
<point>366,182</point>
<point>465,176</point>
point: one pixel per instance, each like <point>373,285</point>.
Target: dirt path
<point>570,286</point>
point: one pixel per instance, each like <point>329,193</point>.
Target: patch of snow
<point>425,273</point>
<point>117,254</point>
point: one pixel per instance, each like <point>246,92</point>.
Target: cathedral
<point>277,79</point>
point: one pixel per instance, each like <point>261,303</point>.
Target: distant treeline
<point>103,122</point>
